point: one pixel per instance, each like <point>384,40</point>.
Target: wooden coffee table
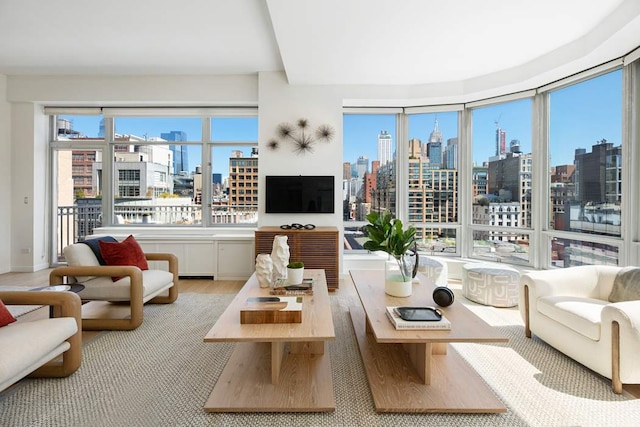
<point>276,367</point>
<point>414,371</point>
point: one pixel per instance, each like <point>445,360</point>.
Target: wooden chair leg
<point>616,384</point>
<point>527,329</point>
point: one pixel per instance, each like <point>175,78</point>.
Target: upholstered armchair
<point>118,284</point>
<point>34,347</point>
<point>589,313</point>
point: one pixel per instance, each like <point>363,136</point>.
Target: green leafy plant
<point>386,234</point>
<point>295,264</point>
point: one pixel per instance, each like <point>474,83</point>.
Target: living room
<point>294,76</point>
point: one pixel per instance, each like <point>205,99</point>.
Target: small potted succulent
<point>295,272</point>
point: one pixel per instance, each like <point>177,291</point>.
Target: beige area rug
<point>162,373</point>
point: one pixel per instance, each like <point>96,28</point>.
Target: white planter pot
<point>294,275</point>
<point>395,284</point>
<point>398,288</point>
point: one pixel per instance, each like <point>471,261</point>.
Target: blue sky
<point>223,129</point>
<point>581,115</point>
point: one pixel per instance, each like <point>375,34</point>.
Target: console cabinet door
<point>235,260</point>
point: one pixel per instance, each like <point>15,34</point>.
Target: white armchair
<point>34,347</point>
<point>135,287</point>
<point>570,310</point>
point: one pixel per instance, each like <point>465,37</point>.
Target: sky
<point>236,129</point>
<point>581,115</point>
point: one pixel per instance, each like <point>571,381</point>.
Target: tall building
<point>243,182</point>
<point>433,193</point>
<point>180,154</point>
<point>434,146</point>
<point>362,166</point>
<point>597,174</point>
<point>346,170</point>
<point>479,180</point>
<point>415,146</point>
<point>510,179</point>
<point>501,141</point>
<point>384,147</point>
<point>450,154</point>
<point>434,153</point>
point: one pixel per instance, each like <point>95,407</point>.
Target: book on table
<point>272,309</point>
<point>282,287</point>
<point>394,317</point>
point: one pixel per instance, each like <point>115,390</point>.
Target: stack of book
<point>283,288</point>
<point>443,324</point>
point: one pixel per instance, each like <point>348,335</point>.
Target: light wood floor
<point>202,286</point>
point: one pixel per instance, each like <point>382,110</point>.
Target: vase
<point>295,275</point>
<point>280,257</point>
<point>264,270</point>
<point>397,277</point>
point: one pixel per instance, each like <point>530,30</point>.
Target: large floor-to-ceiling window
<point>144,167</point>
<point>501,180</point>
<point>585,171</point>
<point>535,178</point>
<point>433,178</point>
<point>368,170</point>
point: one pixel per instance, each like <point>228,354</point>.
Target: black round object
<point>443,296</point>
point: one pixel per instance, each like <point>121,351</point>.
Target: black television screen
<point>299,194</point>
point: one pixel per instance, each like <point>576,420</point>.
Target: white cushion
<point>105,289</point>
<point>80,255</point>
<point>28,345</point>
<point>582,315</point>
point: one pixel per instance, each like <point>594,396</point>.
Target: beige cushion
<point>583,315</point>
<point>80,255</point>
<point>626,286</point>
<point>105,289</point>
<point>32,345</point>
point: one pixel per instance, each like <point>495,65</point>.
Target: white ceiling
<point>338,42</point>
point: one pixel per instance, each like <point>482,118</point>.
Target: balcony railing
<point>77,222</point>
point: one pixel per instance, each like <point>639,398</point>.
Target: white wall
<point>28,188</point>
<point>280,102</point>
<point>5,178</point>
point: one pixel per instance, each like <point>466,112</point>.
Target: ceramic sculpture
<point>264,270</point>
<point>280,257</point>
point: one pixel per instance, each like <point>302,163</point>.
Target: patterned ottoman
<point>490,284</point>
<point>435,269</point>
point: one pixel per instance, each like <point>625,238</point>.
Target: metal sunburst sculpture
<point>301,136</point>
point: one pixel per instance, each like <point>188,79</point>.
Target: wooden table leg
<point>307,347</point>
<point>277,356</point>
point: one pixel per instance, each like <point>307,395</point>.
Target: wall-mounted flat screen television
<point>299,194</point>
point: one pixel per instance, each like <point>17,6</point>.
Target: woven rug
<point>162,373</point>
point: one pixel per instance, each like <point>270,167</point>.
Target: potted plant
<point>295,271</point>
<point>387,234</point>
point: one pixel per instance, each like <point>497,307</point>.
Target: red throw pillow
<point>5,316</point>
<point>127,252</point>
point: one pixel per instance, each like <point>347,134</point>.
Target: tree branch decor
<point>301,135</point>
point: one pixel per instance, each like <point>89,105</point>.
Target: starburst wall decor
<point>301,135</point>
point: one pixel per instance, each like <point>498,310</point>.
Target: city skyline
<point>225,129</point>
<point>580,117</point>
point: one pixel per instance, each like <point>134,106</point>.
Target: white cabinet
<point>235,259</point>
<point>223,256</point>
<point>196,257</point>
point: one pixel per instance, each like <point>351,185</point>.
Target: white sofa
<point>135,286</point>
<point>30,347</point>
<point>570,310</point>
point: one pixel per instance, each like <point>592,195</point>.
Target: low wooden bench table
<point>413,371</point>
<point>276,367</point>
